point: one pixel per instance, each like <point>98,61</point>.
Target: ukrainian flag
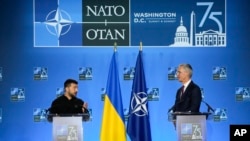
<point>113,126</point>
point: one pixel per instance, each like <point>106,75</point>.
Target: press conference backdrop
<point>44,42</point>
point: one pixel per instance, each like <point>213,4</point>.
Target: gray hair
<point>188,68</point>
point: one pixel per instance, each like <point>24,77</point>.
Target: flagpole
<point>115,46</point>
<point>140,46</point>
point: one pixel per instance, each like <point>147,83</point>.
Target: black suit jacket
<point>190,100</point>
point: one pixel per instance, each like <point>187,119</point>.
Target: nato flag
<point>138,126</point>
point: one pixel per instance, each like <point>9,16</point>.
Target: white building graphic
<point>211,38</point>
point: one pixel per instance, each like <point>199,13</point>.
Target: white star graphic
<point>187,128</point>
<point>58,22</point>
<point>140,100</point>
<point>61,130</point>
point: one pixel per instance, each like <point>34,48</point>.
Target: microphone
<point>208,106</point>
<point>85,110</point>
<point>171,108</point>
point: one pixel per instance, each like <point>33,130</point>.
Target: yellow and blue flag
<point>138,126</point>
<point>113,126</point>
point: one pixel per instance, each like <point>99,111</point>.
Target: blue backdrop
<point>18,57</point>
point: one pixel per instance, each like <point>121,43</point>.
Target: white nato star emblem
<point>139,104</point>
<point>58,19</point>
<point>187,129</point>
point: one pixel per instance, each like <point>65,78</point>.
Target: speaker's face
<point>182,75</point>
<point>72,89</point>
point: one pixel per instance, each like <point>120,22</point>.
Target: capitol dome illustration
<point>181,28</point>
<point>181,36</point>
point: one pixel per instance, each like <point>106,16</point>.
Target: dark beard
<point>72,95</point>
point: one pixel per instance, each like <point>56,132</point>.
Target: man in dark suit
<point>188,97</point>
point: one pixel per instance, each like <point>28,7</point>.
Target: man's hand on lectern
<point>84,106</point>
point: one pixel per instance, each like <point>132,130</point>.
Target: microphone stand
<point>209,108</point>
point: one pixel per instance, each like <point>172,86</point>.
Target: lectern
<point>68,127</point>
<point>190,126</point>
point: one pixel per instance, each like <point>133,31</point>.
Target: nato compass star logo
<point>186,128</point>
<point>139,104</point>
<point>58,22</point>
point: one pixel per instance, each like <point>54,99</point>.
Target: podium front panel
<point>67,129</point>
<point>191,127</point>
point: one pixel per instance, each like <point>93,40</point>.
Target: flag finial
<point>140,46</point>
<point>115,46</point>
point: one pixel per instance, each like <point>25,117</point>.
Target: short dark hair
<point>68,82</point>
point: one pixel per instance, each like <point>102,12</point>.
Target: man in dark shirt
<point>68,103</point>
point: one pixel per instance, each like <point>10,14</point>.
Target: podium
<point>68,127</point>
<point>190,126</point>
